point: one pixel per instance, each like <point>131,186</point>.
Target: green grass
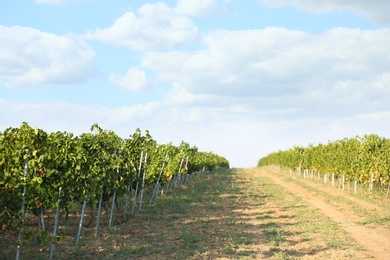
<point>370,217</point>
<point>307,225</point>
<point>228,214</point>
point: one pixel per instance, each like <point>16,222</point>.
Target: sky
<point>240,78</point>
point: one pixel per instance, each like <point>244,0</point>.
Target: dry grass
<point>230,214</point>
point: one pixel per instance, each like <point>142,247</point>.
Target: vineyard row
<point>363,159</point>
<point>42,171</point>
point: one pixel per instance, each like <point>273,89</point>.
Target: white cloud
<point>75,118</point>
<point>130,113</point>
<point>183,97</point>
<point>375,10</point>
<point>200,126</point>
<point>30,57</point>
<point>51,2</point>
<point>135,80</point>
<point>197,7</point>
<point>254,90</point>
<point>187,116</point>
<point>226,65</point>
<point>276,68</point>
<point>153,26</point>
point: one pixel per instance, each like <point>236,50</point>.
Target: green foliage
<point>83,166</point>
<point>356,158</point>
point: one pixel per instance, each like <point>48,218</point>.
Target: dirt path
<point>255,213</point>
<point>375,240</point>
<point>373,208</point>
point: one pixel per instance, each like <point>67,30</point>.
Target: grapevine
<point>57,173</point>
<point>363,159</point>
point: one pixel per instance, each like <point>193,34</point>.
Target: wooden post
<point>81,221</point>
<point>23,209</point>
<point>53,243</point>
<point>332,179</point>
<point>371,186</point>
<point>99,214</point>
<point>136,185</point>
<point>112,209</point>
<point>143,184</point>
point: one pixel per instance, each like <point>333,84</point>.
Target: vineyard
<point>364,161</point>
<point>55,175</point>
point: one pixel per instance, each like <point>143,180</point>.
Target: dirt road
<point>256,213</point>
<point>375,239</point>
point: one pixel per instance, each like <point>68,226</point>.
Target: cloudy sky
<point>239,78</point>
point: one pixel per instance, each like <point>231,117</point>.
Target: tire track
<point>375,241</point>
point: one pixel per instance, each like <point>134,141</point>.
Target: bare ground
<point>271,218</point>
<point>255,213</point>
<point>376,240</point>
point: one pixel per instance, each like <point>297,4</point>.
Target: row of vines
<point>60,172</point>
<point>364,160</point>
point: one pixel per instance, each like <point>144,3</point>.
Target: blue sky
<point>239,78</point>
